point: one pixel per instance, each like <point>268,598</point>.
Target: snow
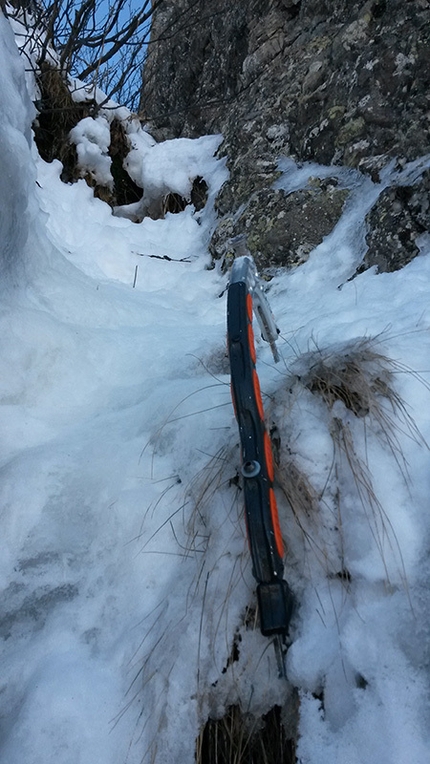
<point>124,569</point>
<point>16,174</point>
<point>170,165</point>
<point>91,137</point>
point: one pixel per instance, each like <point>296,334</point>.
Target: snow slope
<point>125,572</point>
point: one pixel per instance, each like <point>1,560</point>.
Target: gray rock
<point>339,82</point>
<point>282,229</point>
<point>395,223</point>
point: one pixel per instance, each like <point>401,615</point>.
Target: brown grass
<point>240,738</point>
<point>363,379</point>
<point>354,378</point>
<point>58,114</point>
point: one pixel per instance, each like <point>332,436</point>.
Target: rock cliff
<point>334,82</point>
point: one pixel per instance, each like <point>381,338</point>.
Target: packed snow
<point>125,569</point>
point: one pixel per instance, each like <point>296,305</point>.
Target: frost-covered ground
<point>125,574</point>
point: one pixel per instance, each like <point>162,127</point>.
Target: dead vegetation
<point>363,379</point>
<point>93,42</point>
<point>356,383</point>
<point>58,113</point>
<point>238,738</point>
<point>357,374</point>
<point>378,521</point>
<point>300,494</point>
<point>216,475</point>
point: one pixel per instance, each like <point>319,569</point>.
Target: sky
<point>125,571</point>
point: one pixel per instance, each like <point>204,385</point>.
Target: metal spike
<point>280,653</point>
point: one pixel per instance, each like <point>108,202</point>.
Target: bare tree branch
<point>104,40</point>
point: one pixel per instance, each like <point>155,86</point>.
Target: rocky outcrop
<point>395,224</point>
<point>337,82</point>
<point>282,229</point>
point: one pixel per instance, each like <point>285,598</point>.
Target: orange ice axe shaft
<point>245,296</point>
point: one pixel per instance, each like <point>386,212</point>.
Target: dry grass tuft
<point>298,491</point>
<point>355,374</point>
<point>378,521</point>
<point>240,738</point>
<point>363,379</point>
<point>304,504</point>
<point>217,474</point>
<point>356,379</point>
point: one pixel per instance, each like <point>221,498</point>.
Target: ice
<point>17,175</point>
<point>296,176</point>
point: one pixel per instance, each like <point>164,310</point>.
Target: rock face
<point>400,216</point>
<point>334,82</point>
